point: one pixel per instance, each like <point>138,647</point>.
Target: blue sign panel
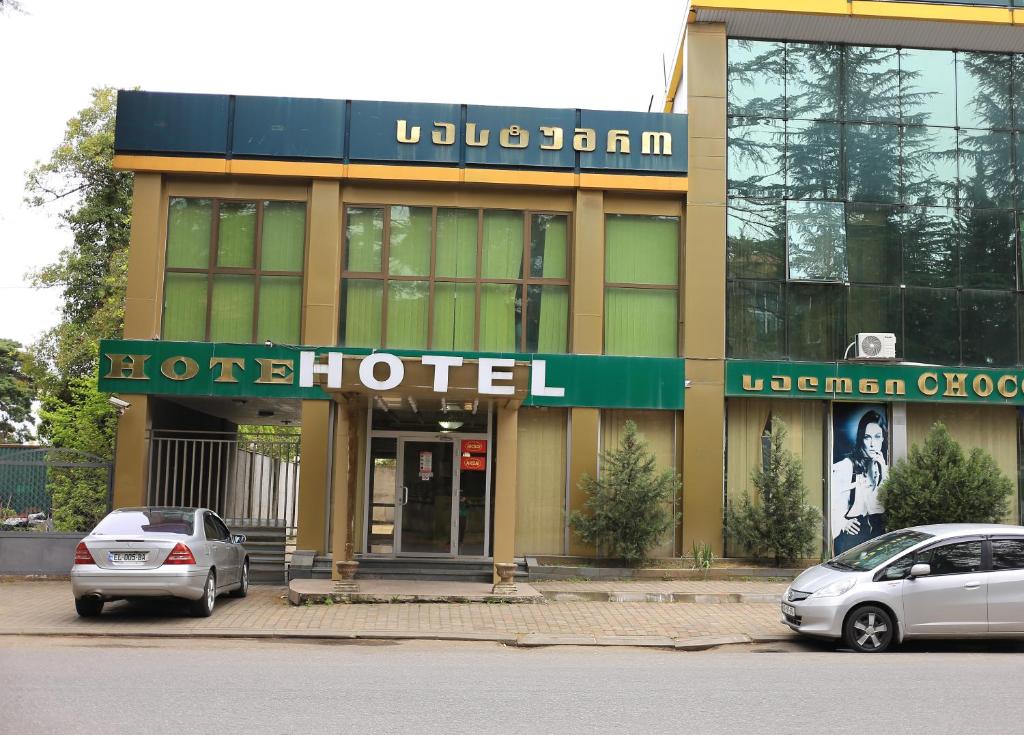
<point>160,122</point>
<point>520,136</point>
<point>404,131</point>
<point>635,141</point>
<point>291,127</point>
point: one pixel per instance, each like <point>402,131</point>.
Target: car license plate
<point>788,610</point>
<point>127,557</point>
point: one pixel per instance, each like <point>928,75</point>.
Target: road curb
<point>700,598</point>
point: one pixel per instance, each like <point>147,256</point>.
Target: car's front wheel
<point>243,584</point>
<point>869,629</point>
<point>89,607</point>
<point>203,607</point>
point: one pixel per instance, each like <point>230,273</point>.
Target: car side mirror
<point>920,570</point>
<point>238,538</point>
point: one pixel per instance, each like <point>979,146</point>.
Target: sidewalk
<point>46,608</point>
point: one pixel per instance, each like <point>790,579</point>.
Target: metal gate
<point>249,478</point>
<point>53,488</point>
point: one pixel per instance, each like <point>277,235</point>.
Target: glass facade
<point>874,189</point>
<point>455,279</point>
<point>234,270</point>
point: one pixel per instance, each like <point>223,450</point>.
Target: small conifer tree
<point>627,514</point>
<point>937,483</point>
<point>779,522</point>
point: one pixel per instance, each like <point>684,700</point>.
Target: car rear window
<point>135,522</point>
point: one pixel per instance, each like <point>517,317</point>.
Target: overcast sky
<point>547,53</point>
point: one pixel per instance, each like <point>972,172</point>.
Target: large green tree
<point>16,394</point>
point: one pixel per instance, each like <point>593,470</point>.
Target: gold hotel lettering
<point>169,368</point>
<point>276,372</point>
<point>782,383</point>
<point>868,386</point>
<point>982,385</point>
<point>928,384</point>
<point>753,385</point>
<point>227,367</point>
<point>956,385</point>
<point>839,385</point>
<point>127,367</point>
<point>807,385</point>
<point>1003,386</point>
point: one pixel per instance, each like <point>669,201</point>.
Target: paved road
<point>158,686</point>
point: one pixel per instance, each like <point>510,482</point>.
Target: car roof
<point>947,530</point>
<point>162,508</point>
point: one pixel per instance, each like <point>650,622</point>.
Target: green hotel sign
<point>312,373</point>
<point>873,382</point>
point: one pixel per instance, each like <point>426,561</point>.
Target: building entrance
<point>427,491</point>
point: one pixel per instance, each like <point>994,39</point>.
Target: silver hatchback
<point>159,552</point>
<point>943,581</point>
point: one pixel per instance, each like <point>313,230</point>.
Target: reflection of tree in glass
<point>929,246</point>
<point>756,78</point>
<point>929,165</point>
<point>756,153</point>
<point>755,239</point>
<point>812,160</point>
<point>816,239</point>
<point>987,249</point>
<point>812,81</point>
<point>983,86</point>
<point>873,163</point>
<point>872,83</point>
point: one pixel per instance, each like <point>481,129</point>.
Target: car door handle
<point>972,585</point>
<point>405,494</point>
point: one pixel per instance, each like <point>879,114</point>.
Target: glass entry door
<point>427,513</point>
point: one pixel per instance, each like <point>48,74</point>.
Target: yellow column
<point>319,327</point>
<point>584,446</point>
<point>341,520</point>
<point>704,289</point>
<point>131,463</point>
<point>505,461</point>
<point>314,480</point>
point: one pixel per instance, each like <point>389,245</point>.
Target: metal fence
<point>249,478</point>
<point>52,488</point>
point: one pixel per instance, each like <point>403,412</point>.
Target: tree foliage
<point>16,394</point>
<point>627,503</point>
<point>937,483</point>
<point>779,522</point>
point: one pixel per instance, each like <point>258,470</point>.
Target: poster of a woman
<point>860,464</point>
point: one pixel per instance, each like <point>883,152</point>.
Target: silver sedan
<point>942,581</point>
<point>159,552</point>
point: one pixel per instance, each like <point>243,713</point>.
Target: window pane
<point>1007,554</point>
<point>503,244</point>
<point>1018,149</point>
<point>816,321</point>
<point>456,243</point>
<point>873,163</point>
<point>755,323</point>
<point>284,235</point>
<point>409,241</point>
<point>454,316</point>
<point>875,309</point>
<point>1018,93</point>
<point>816,239</point>
<point>928,89</point>
<point>873,243</point>
<point>188,233</point>
<point>185,307</point>
<point>548,245</point>
<point>500,311</point>
<point>986,170</point>
<point>641,249</point>
<point>989,327</point>
<point>756,239</point>
<point>813,163</point>
<point>983,90</point>
<point>361,312</point>
<point>280,310</point>
<point>929,247</point>
<point>988,249</point>
<point>813,82</point>
<point>929,166</point>
<point>756,158</point>
<point>547,318</point>
<point>236,235</point>
<point>641,321</point>
<point>960,558</point>
<point>407,314</point>
<point>757,78</point>
<point>872,83</point>
<point>932,331</point>
<point>364,235</point>
<point>231,308</point>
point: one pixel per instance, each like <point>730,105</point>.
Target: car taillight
<point>180,554</point>
<point>82,555</point>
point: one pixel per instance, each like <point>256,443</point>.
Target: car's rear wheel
<point>243,585</point>
<point>869,629</point>
<point>89,607</point>
<point>203,607</point>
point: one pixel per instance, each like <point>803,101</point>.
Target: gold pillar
<point>145,259</point>
<point>584,446</point>
<point>505,461</point>
<point>704,289</point>
<point>314,480</point>
<point>341,510</point>
<point>131,462</point>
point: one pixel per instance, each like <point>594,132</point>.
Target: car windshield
<point>877,551</point>
<point>147,520</point>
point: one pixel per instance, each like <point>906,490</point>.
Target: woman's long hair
<point>860,458</point>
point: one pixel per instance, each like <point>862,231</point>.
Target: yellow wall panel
<point>540,498</point>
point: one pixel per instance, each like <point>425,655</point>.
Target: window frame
<point>477,279</point>
<point>212,269</point>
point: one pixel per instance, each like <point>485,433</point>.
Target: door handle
<point>405,494</point>
<point>972,585</point>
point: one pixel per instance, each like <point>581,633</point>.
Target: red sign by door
<point>474,446</point>
<point>476,464</point>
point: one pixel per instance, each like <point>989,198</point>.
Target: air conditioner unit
<point>876,346</point>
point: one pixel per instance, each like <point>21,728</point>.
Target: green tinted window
<point>364,238</point>
<point>873,243</point>
<point>816,321</point>
<point>640,321</point>
<point>236,235</point>
<point>875,309</point>
<point>232,301</point>
<point>361,302</point>
<point>189,225</point>
<point>407,314</point>
<point>456,243</point>
<point>547,318</point>
<point>284,236</point>
<point>409,243</point>
<point>755,320</point>
<point>549,245</point>
<point>932,326</point>
<point>185,307</point>
<point>641,249</point>
<point>500,311</point>
<point>280,310</point>
<point>454,316</point>
<point>989,327</point>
